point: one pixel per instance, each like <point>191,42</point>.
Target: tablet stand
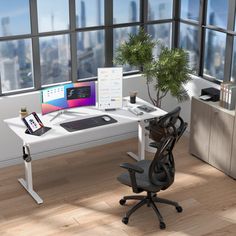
<point>27,131</point>
<point>40,132</point>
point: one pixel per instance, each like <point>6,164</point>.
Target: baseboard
<point>72,148</point>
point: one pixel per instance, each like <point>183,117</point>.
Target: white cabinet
<point>211,135</point>
<point>220,144</point>
<point>200,132</point>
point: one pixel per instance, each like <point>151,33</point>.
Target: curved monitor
<point>67,96</point>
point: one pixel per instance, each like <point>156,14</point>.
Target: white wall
<point>11,145</point>
<point>194,89</point>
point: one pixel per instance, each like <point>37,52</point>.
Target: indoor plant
<point>169,72</point>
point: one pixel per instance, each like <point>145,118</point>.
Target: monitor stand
<point>63,112</point>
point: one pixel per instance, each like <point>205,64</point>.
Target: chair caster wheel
<point>122,201</point>
<point>179,209</point>
<point>162,225</point>
<point>125,220</point>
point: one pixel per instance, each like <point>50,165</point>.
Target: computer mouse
<point>106,118</point>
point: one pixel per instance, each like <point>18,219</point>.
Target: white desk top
<point>123,116</point>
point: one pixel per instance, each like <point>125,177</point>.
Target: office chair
<point>158,174</point>
<point>152,177</point>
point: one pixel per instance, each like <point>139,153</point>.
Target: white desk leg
<point>141,143</point>
<point>27,183</point>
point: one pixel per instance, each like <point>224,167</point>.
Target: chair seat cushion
<point>142,180</point>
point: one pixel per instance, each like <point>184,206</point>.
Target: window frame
<point>202,26</point>
<point>108,27</point>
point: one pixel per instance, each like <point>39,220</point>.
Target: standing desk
<point>58,137</point>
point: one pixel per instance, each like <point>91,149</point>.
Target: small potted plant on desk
<point>167,73</point>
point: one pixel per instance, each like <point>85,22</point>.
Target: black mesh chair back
<point>161,128</point>
<point>162,168</point>
<point>180,128</point>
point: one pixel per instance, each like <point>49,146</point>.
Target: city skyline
<point>20,16</point>
<point>55,58</point>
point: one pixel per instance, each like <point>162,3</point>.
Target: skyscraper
<point>21,53</point>
<point>83,14</point>
<point>83,24</point>
<point>9,74</point>
<point>5,22</point>
<point>133,15</point>
<point>99,21</point>
<point>52,21</point>
<point>133,11</point>
<point>210,50</point>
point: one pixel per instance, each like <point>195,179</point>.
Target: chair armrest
<point>132,170</point>
<point>131,167</point>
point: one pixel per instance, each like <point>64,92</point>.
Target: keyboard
<point>87,123</point>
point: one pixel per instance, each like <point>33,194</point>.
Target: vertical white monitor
<point>110,87</point>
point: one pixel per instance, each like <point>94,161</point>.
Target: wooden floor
<point>81,197</point>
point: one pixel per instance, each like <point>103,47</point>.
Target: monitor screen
<point>68,96</point>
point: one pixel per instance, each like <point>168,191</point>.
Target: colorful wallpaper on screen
<point>68,96</point>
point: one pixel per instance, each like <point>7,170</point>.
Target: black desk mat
<point>87,123</point>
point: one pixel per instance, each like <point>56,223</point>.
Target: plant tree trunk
<point>149,93</point>
<point>158,100</point>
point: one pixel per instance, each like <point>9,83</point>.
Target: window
<point>159,23</point>
<point>90,53</point>
<point>89,13</point>
<point>125,11</point>
<point>189,41</point>
<point>48,42</point>
<point>16,64</point>
<point>161,33</point>
<point>53,15</point>
<point>159,9</point>
<point>68,38</point>
<point>209,38</point>
<point>54,59</point>
<point>217,13</point>
<point>189,31</point>
<point>120,36</point>
<point>14,17</point>
<point>190,9</point>
<point>214,54</point>
<point>233,70</point>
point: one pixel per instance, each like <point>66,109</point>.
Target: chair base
<point>150,200</point>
